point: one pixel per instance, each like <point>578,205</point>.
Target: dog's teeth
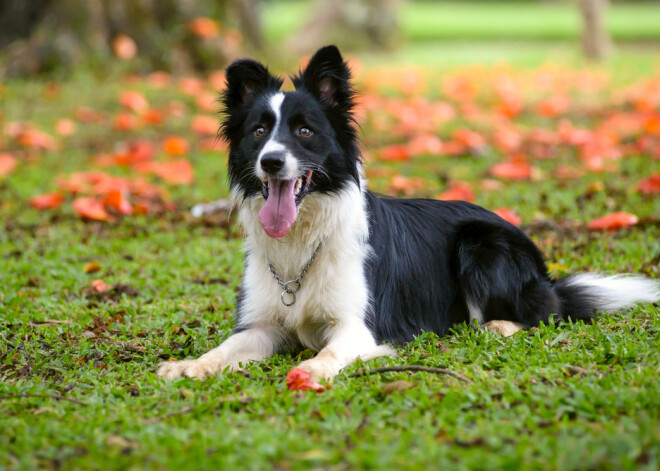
<point>298,186</point>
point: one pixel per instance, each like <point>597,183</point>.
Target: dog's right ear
<point>245,78</point>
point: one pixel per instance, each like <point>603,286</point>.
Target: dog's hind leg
<point>252,344</point>
<point>502,277</point>
<point>348,341</point>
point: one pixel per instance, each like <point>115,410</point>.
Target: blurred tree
<point>596,42</point>
<point>248,15</point>
<point>349,24</point>
<point>177,35</point>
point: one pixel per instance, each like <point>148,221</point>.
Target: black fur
<point>429,258</point>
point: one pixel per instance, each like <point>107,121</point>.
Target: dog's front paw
<point>319,368</point>
<point>199,369</point>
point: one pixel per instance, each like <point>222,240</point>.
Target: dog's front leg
<point>252,344</point>
<point>348,341</point>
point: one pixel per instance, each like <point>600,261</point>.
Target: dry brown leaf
<point>397,386</point>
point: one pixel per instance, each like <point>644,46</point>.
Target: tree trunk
<point>596,42</point>
<point>41,35</point>
<point>349,24</point>
<point>249,18</point>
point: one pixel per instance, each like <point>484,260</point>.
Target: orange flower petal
<point>123,47</point>
<point>204,27</point>
<point>125,122</point>
<point>614,221</point>
<point>458,191</point>
<point>470,139</point>
<point>90,209</point>
<point>178,172</point>
<point>174,145</point>
<point>300,380</point>
<point>7,164</point>
<point>207,101</point>
<point>117,200</point>
<point>190,85</point>
<point>508,215</point>
<point>65,127</point>
<point>394,153</point>
<point>425,144</point>
<point>650,185</point>
<point>205,125</point>
<point>35,139</point>
<point>159,79</point>
<point>515,168</point>
<point>47,201</point>
<point>134,101</point>
<point>100,286</point>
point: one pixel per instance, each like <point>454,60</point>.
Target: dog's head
<point>286,145</point>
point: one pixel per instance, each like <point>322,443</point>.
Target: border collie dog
<point>333,267</point>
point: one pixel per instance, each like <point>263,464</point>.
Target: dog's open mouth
<point>282,199</point>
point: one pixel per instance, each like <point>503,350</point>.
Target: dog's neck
<point>338,221</point>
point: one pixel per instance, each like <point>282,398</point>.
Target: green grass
<point>443,20</point>
<point>527,405</point>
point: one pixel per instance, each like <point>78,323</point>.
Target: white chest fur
<point>333,290</point>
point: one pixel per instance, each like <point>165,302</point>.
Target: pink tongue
<point>279,212</point>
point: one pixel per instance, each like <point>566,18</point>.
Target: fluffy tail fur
<point>583,295</point>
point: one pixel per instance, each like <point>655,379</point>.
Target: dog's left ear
<point>327,76</point>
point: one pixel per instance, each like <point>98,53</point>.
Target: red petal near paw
<point>300,380</point>
<point>613,221</point>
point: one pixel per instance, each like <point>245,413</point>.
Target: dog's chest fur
<point>335,284</point>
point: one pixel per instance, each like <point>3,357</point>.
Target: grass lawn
<point>524,20</point>
<point>77,383</point>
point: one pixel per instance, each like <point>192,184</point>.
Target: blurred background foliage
<point>183,36</point>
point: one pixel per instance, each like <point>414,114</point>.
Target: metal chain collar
<point>288,296</point>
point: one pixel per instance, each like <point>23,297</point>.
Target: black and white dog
<point>367,271</point>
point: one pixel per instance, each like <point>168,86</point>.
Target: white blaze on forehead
<point>276,105</point>
<point>291,168</point>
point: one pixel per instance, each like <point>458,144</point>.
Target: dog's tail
<point>583,295</point>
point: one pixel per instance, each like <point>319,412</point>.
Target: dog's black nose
<point>272,162</point>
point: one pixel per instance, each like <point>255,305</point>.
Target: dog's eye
<point>260,131</point>
<point>305,132</point>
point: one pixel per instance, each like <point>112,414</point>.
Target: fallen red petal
<point>394,153</point>
<point>515,168</point>
<point>175,145</point>
<point>300,380</point>
<point>134,101</point>
<point>117,200</point>
<point>100,286</point>
<point>458,191</point>
<point>614,221</point>
<point>7,164</point>
<point>650,185</point>
<point>508,215</point>
<point>90,209</point>
<point>47,201</point>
